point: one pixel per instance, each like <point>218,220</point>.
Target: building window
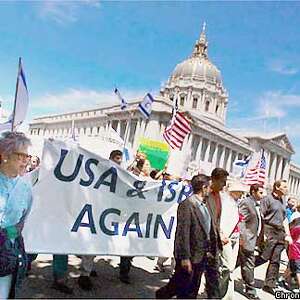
<point>182,100</point>
<point>206,105</point>
<point>171,97</point>
<point>217,109</point>
<point>114,124</point>
<point>195,102</point>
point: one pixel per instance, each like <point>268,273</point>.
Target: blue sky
<point>74,54</point>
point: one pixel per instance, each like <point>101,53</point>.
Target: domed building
<point>195,86</point>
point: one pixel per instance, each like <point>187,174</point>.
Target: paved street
<point>145,280</point>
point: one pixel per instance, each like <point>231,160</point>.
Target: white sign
<point>84,204</point>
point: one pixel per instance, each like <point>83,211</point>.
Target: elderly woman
<point>15,202</point>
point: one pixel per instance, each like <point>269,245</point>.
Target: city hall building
<point>197,85</point>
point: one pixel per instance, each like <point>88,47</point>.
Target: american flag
<point>176,132</point>
<point>258,173</point>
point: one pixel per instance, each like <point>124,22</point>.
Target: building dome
<point>196,84</point>
<point>197,68</point>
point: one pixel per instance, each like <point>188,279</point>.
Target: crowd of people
<point>222,225</point>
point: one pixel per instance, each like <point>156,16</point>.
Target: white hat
<point>236,186</point>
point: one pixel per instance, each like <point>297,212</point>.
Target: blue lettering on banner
<point>161,191</point>
<point>172,191</point>
<point>131,225</point>
<point>115,225</point>
<point>91,224</point>
<point>167,231</point>
<point>185,192</point>
<point>138,191</point>
<point>113,181</point>
<point>57,171</point>
<point>135,218</point>
<point>110,177</point>
<point>89,172</point>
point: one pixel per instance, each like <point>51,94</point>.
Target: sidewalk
<point>144,280</point>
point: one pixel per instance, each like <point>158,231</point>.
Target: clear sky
<point>74,54</point>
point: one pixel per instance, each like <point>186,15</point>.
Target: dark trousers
<point>272,253</point>
<point>60,266</point>
<point>273,267</point>
<point>186,285</point>
<point>247,261</point>
<point>125,265</point>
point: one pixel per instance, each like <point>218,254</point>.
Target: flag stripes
<point>257,175</point>
<point>176,132</point>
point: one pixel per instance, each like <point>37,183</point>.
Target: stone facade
<point>196,86</point>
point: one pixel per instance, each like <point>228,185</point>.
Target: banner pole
<point>127,132</point>
<point>16,93</point>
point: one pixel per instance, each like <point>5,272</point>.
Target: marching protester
<point>125,261</point>
<point>59,271</point>
<point>273,211</point>
<point>250,227</point>
<point>230,222</point>
<point>86,271</point>
<point>16,199</point>
<point>294,255</point>
<point>294,248</point>
<point>194,256</point>
<point>291,208</point>
<point>33,163</point>
<point>218,182</point>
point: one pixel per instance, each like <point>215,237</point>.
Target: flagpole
<point>16,93</point>
<point>73,130</point>
<point>127,132</point>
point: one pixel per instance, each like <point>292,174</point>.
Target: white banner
<point>84,204</point>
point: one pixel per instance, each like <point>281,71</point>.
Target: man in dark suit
<point>196,247</point>
<point>248,236</point>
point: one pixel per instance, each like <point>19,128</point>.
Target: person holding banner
<point>196,246</point>
<point>15,203</point>
<point>87,261</point>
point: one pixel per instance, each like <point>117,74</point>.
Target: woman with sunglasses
<point>15,202</point>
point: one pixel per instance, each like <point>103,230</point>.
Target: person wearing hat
<point>230,219</point>
<point>248,238</point>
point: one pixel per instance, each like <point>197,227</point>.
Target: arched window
<point>195,102</point>
<point>182,98</point>
<point>207,105</point>
<point>217,109</point>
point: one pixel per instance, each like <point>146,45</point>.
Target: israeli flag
<point>240,166</point>
<point>242,162</point>
<point>145,106</point>
<point>124,104</point>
